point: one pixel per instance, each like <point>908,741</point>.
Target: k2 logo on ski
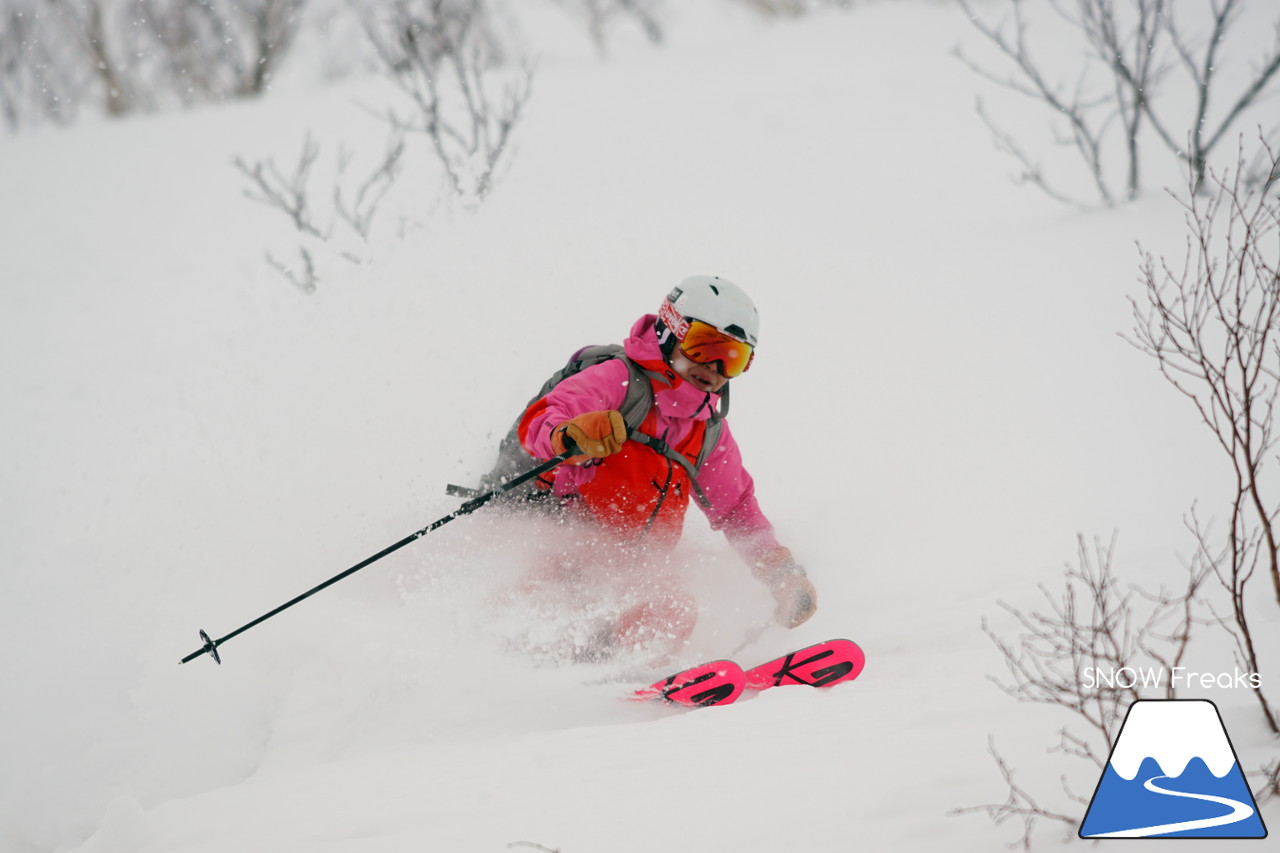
<point>1173,773</point>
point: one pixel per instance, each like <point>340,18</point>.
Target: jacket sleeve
<point>732,495</point>
<point>601,386</point>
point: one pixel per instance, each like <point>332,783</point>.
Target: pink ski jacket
<point>638,488</point>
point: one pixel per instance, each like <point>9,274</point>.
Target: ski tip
<point>819,665</point>
<point>715,683</point>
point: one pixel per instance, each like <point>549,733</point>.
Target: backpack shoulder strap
<point>639,397</point>
<point>710,438</point>
<point>512,458</point>
<point>578,362</point>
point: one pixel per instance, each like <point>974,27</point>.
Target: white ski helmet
<point>714,301</point>
<point>717,302</point>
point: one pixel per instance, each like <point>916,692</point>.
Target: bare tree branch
<point>42,74</point>
<point>1031,171</point>
<point>434,53</point>
<point>353,206</point>
<point>305,278</point>
<point>1073,655</point>
<point>286,192</point>
<point>1213,327</point>
<point>1137,42</point>
<point>1031,81</point>
<point>1019,806</point>
<point>360,211</point>
<point>599,15</point>
<point>1269,776</point>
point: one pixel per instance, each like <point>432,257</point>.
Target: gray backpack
<point>514,460</point>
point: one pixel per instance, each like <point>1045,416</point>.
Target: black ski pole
<point>210,646</point>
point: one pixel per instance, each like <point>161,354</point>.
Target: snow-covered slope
<point>940,403</point>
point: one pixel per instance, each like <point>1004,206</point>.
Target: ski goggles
<point>705,344</point>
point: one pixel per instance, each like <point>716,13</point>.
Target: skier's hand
<point>795,597</point>
<point>796,600</point>
<point>594,434</point>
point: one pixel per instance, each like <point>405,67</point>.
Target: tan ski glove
<point>595,434</point>
<point>793,593</point>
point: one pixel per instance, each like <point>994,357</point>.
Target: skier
<point>631,486</point>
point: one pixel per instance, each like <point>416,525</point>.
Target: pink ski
<point>818,665</point>
<point>715,683</point>
<point>721,682</point>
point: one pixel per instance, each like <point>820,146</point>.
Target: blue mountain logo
<point>1173,773</point>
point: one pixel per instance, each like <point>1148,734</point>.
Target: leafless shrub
<point>37,80</point>
<point>1269,776</point>
<point>1131,49</point>
<point>1088,110</point>
<point>108,46</point>
<point>1096,627</point>
<point>14,33</point>
<point>442,55</point>
<point>599,16</point>
<point>1075,656</point>
<point>1234,563</point>
<point>359,207</point>
<point>435,52</point>
<point>290,191</point>
<point>1262,174</point>
<point>1202,66</point>
<point>1213,327</point>
<point>216,49</point>
<point>137,54</point>
<point>304,275</point>
<point>790,8</point>
<point>1020,805</point>
<point>777,8</point>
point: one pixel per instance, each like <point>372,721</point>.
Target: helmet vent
<point>735,330</point>
<point>714,289</point>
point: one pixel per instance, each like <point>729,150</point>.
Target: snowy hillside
<point>940,403</point>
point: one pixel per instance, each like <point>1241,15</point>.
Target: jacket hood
<point>680,399</point>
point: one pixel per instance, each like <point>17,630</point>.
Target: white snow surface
<point>1172,733</point>
<point>940,404</point>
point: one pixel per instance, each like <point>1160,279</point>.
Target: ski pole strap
<point>661,447</point>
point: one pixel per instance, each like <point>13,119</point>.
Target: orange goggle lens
<point>704,344</point>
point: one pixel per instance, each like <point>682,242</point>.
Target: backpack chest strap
<point>661,447</point>
<point>635,408</point>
